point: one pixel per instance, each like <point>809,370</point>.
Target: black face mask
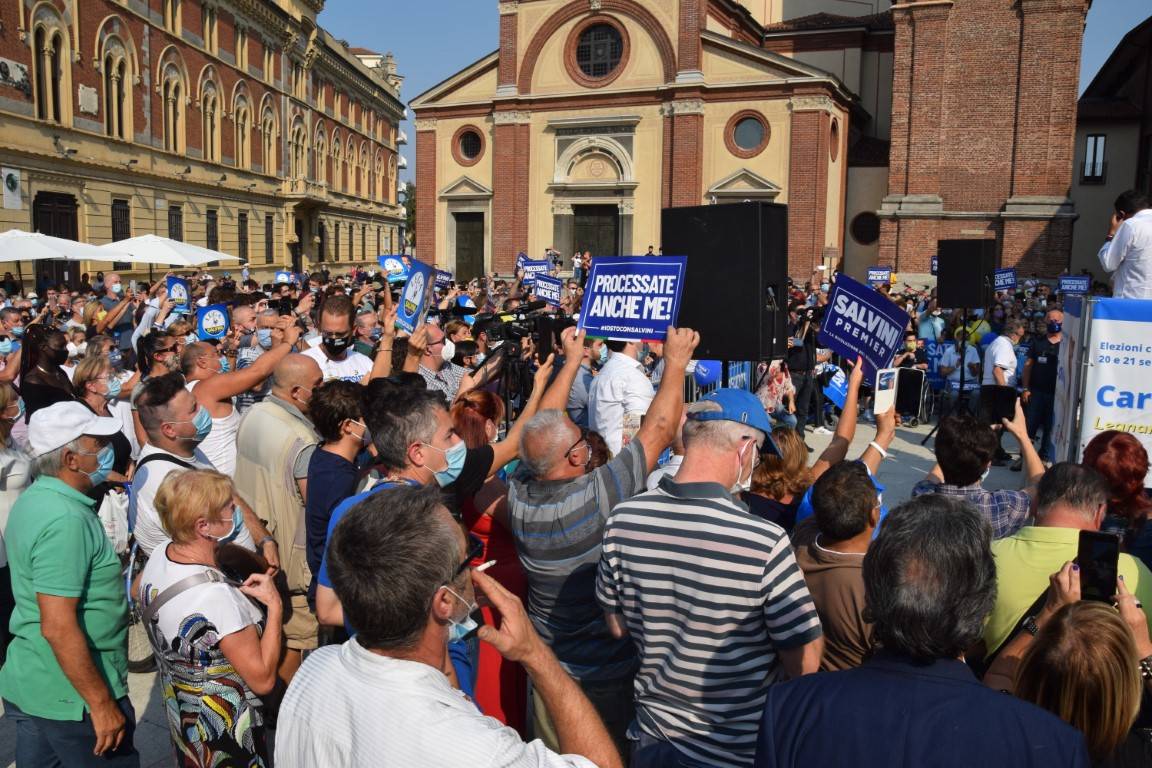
<point>56,356</point>
<point>336,345</point>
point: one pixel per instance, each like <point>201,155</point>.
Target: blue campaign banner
<point>934,265</point>
<point>836,389</point>
<point>421,279</point>
<point>548,289</point>
<point>282,277</point>
<point>1078,285</point>
<point>1004,279</point>
<point>443,279</point>
<point>934,351</point>
<point>632,297</point>
<point>180,294</point>
<point>394,268</point>
<point>879,276</point>
<point>212,322</point>
<point>861,321</point>
<point>520,259</point>
<point>534,267</point>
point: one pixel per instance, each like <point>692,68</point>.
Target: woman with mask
<point>98,388</point>
<point>15,474</point>
<point>216,642</point>
<point>43,381</point>
<point>501,686</point>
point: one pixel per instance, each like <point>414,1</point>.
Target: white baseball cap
<point>57,425</point>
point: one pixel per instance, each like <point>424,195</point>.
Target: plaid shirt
<point>1008,511</point>
<point>446,380</point>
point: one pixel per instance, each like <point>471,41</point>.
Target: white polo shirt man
<point>622,388</point>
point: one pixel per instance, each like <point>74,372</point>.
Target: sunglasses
<point>475,550</point>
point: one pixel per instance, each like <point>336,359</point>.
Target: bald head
<point>193,353</point>
<point>294,378</point>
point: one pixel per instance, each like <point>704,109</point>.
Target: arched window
<point>210,29</point>
<point>361,172</point>
<point>210,121</point>
<point>298,161</point>
<point>173,95</point>
<point>51,68</point>
<point>172,20</point>
<point>243,121</point>
<point>268,142</point>
<point>117,71</point>
<point>320,155</point>
<point>337,179</point>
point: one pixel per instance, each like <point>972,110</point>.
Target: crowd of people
<point>347,545</point>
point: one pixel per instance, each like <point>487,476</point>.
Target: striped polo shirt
<point>709,593</point>
<point>558,526</point>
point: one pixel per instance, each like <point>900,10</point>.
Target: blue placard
<point>180,293</point>
<point>632,297</point>
<point>443,279</point>
<point>533,267</point>
<point>1076,285</point>
<point>414,300</point>
<point>934,265</point>
<point>1004,279</point>
<point>520,259</point>
<point>860,321</point>
<point>394,268</point>
<point>836,389</point>
<point>548,289</point>
<point>283,277</point>
<point>879,276</point>
<point>934,351</point>
<point>212,321</point>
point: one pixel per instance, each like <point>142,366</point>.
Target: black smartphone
<point>1098,555</point>
<point>997,403</point>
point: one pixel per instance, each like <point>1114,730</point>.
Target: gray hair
<point>50,464</point>
<point>1013,326</point>
<point>721,435</point>
<point>1080,488</point>
<point>405,416</point>
<point>544,440</point>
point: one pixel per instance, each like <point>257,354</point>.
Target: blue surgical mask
<point>19,411</point>
<point>118,289</point>
<point>376,333</point>
<point>234,531</point>
<point>115,358</point>
<point>18,331</point>
<point>479,358</point>
<point>114,387</point>
<point>203,423</point>
<point>224,367</point>
<point>603,354</point>
<point>35,302</point>
<point>264,337</point>
<point>5,346</point>
<point>105,458</point>
<point>460,629</point>
<point>455,458</point>
<point>191,338</point>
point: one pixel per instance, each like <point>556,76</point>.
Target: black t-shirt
<point>802,358</point>
<point>920,358</point>
<point>477,467</point>
<point>1045,357</point>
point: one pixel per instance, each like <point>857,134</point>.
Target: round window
<point>471,145</point>
<point>866,228</point>
<point>834,140</point>
<point>748,134</point>
<point>599,50</point>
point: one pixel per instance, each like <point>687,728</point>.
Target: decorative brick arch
<point>578,8</point>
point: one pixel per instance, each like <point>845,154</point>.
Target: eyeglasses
<point>475,550</point>
<point>575,445</point>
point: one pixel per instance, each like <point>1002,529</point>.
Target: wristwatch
<point>1146,667</point>
<point>1030,626</point>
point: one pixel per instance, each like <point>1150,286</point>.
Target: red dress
<point>501,686</point>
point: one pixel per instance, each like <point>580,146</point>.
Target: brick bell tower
<point>983,128</point>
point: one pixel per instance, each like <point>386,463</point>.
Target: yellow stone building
<point>593,115</point>
<point>239,125</point>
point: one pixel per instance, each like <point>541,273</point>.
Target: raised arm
<point>382,365</point>
<point>226,385</point>
<point>663,418</point>
<point>878,448</point>
<point>509,448</point>
<point>837,450</point>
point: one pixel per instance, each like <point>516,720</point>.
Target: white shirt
<point>349,707</point>
<point>1000,354</point>
<point>149,530</point>
<point>220,445</point>
<point>951,359</point>
<point>620,389</point>
<point>670,469</point>
<point>1129,257</point>
<point>353,367</point>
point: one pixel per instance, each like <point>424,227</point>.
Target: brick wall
<point>426,195</point>
<point>807,190</point>
<point>691,24</point>
<point>687,158</point>
<point>507,71</point>
<point>511,145</point>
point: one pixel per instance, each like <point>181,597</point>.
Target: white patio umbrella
<point>17,245</point>
<point>153,249</point>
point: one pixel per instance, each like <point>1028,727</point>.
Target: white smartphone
<point>885,390</point>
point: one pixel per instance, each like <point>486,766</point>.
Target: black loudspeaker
<point>735,291</point>
<point>964,270</point>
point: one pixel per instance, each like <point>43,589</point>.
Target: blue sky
<point>432,39</point>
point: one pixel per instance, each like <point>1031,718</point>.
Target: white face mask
<point>743,484</point>
<point>448,351</point>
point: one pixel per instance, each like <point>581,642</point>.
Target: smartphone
<point>885,391</point>
<point>998,403</point>
<point>1098,555</point>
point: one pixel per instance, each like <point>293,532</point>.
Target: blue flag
<point>1004,279</point>
<point>416,296</point>
<point>212,322</point>
<point>861,321</point>
<point>180,294</point>
<point>548,289</point>
<point>836,389</point>
<point>633,297</point>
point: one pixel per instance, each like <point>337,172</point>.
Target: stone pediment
<point>744,185</point>
<point>465,188</point>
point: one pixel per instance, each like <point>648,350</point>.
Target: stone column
<point>563,228</point>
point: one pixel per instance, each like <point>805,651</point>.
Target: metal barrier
<point>741,375</point>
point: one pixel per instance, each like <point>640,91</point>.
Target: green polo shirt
<point>57,546</point>
<point>1026,559</point>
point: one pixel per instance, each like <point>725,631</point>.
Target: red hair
<point>471,411</point>
<point>1123,462</point>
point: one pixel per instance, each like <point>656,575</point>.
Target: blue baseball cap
<point>735,405</point>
